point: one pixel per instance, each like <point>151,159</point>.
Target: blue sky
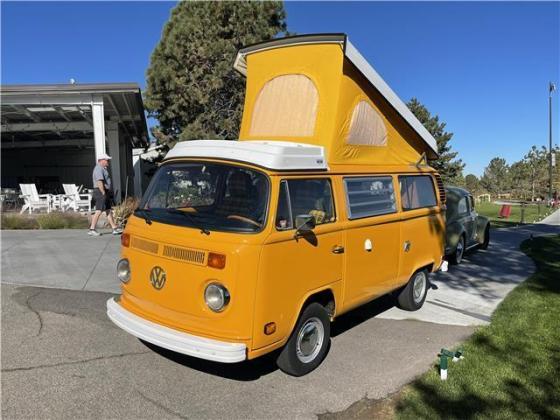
<point>482,67</point>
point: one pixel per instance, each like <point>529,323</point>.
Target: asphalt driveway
<point>62,358</point>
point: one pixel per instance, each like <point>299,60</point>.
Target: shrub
<point>122,212</point>
<point>75,221</point>
<point>52,221</point>
<point>57,220</point>
<point>18,221</point>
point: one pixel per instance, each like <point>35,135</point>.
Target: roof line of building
<point>71,88</point>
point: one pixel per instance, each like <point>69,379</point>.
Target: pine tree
<point>192,89</point>
<point>496,178</point>
<point>472,184</point>
<point>449,167</point>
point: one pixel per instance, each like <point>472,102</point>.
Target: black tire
<point>413,295</point>
<point>295,359</point>
<point>457,256</point>
<point>486,239</point>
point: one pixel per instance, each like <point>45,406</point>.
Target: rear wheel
<point>486,239</point>
<point>412,297</point>
<point>457,256</point>
<point>309,342</point>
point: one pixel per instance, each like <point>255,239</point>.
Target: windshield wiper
<point>191,219</point>
<point>145,214</point>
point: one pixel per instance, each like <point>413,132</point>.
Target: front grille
<point>144,245</point>
<point>184,254</point>
<point>441,188</point>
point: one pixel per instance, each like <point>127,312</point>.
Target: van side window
<point>284,214</point>
<point>306,197</point>
<point>369,196</point>
<point>417,191</point>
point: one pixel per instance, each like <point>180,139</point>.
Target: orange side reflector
<point>216,260</point>
<point>270,328</point>
<point>125,240</point>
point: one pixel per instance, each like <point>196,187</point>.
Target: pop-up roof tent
<point>318,89</point>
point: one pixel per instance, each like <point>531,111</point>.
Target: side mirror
<point>304,223</point>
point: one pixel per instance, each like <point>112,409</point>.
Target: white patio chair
<point>74,200</point>
<point>33,200</point>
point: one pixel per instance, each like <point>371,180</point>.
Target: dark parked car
<point>465,229</point>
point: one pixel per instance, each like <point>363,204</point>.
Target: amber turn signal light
<point>270,328</point>
<point>125,240</point>
<point>216,260</point>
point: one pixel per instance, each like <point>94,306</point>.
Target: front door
<point>292,267</point>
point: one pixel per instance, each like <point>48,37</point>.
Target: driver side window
<point>304,197</point>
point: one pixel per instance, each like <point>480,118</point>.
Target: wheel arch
<point>453,232</point>
<point>324,296</point>
<point>482,223</point>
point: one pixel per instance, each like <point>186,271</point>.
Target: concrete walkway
<point>552,219</point>
<point>65,259</point>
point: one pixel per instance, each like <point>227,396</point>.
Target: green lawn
<point>532,214</point>
<point>512,366</point>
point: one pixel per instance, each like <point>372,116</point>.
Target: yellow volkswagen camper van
<point>242,247</point>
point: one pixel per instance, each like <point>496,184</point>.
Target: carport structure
<point>52,134</point>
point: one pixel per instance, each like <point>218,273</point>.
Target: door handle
<point>338,249</point>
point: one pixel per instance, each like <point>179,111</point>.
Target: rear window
<point>369,196</point>
<point>462,208</point>
<point>417,192</point>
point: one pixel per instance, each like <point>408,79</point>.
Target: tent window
<point>286,106</point>
<point>367,127</point>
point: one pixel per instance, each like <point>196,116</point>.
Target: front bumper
<point>178,341</point>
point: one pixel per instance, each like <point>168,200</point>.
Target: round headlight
<point>123,270</point>
<point>216,297</point>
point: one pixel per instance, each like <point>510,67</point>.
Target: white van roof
<point>272,154</point>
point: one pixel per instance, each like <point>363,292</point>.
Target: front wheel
<point>309,342</point>
<point>412,297</point>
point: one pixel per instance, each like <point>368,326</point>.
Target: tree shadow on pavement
<point>483,271</point>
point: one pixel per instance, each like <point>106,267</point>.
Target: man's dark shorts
<point>102,201</point>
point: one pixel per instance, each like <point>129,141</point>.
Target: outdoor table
<point>58,202</point>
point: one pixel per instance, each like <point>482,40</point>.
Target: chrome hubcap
<point>310,340</point>
<point>418,288</point>
<point>459,252</point>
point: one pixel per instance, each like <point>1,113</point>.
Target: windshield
<point>207,196</point>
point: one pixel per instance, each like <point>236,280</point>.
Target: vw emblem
<point>157,277</point>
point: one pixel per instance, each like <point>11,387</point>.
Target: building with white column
<point>52,134</point>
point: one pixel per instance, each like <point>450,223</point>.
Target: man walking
<point>102,195</point>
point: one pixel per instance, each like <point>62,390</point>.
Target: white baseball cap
<point>103,156</point>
